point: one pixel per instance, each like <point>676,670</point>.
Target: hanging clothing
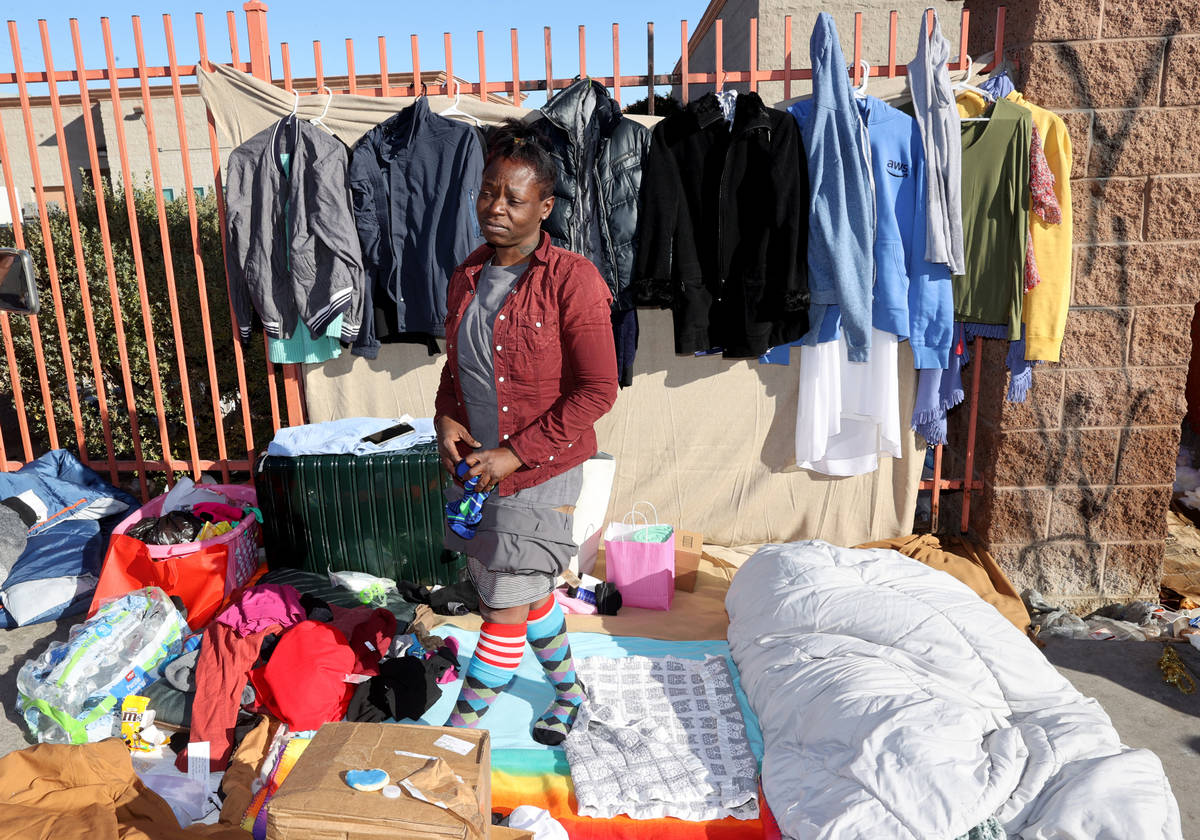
<point>599,155</point>
<point>1045,311</point>
<point>995,191</point>
<point>848,412</point>
<point>293,253</point>
<point>999,86</point>
<point>933,106</point>
<point>723,227</point>
<point>1043,204</point>
<point>305,348</point>
<point>414,178</point>
<point>1043,201</point>
<point>625,335</point>
<point>841,262</point>
<point>913,298</point>
<point>940,390</point>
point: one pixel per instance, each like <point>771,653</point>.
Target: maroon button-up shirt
<point>555,362</point>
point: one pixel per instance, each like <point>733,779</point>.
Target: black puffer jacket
<point>599,155</point>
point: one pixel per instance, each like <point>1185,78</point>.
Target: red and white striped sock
<point>491,672</point>
<point>501,645</point>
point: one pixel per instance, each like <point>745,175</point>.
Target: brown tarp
<point>970,564</point>
<point>86,792</point>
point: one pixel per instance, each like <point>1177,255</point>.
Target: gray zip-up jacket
<point>293,252</point>
<point>941,132</point>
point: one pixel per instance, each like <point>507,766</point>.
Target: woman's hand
<point>449,434</point>
<point>492,466</point>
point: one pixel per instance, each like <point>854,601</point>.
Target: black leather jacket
<point>599,155</point>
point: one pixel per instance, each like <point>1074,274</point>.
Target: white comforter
<point>896,704</point>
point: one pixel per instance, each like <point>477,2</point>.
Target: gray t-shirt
<point>476,364</point>
<point>477,376</point>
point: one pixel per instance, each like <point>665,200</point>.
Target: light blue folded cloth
<point>345,437</point>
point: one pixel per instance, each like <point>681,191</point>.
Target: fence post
<point>260,67</point>
<point>260,45</point>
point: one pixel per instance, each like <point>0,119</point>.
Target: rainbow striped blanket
<point>527,773</point>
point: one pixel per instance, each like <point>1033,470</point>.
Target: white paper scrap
<point>198,763</point>
<point>454,745</point>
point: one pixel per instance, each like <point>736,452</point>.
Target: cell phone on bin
<point>388,433</point>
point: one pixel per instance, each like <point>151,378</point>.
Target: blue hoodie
<point>914,298</point>
<point>841,266</point>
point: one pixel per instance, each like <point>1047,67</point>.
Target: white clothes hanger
<point>328,102</point>
<point>964,85</point>
<point>454,111</point>
<point>861,90</point>
<point>295,108</point>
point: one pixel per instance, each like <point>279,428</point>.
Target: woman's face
<point>511,206</point>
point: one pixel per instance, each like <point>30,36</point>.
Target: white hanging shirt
<point>848,412</point>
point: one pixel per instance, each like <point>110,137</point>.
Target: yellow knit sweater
<point>1045,306</point>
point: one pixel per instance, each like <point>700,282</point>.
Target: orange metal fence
<point>220,351</point>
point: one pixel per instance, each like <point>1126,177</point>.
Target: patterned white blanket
<point>661,737</point>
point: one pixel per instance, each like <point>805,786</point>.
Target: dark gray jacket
<point>599,155</point>
<point>293,252</point>
<point>414,178</point>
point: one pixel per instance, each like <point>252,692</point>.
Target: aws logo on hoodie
<point>897,168</point>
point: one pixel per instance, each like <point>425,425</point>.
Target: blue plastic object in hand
<point>463,515</point>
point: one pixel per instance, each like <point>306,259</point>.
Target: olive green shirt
<point>995,207</point>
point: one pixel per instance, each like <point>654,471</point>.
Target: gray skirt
<point>522,544</point>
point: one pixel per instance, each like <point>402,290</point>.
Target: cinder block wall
<point>1078,478</point>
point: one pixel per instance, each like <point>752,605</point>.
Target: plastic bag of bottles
<point>72,693</point>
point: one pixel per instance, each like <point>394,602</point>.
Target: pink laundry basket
<point>241,542</point>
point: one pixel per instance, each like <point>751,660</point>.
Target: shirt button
<point>501,317</point>
<point>501,379</point>
<point>506,437</point>
<point>498,347</point>
<point>551,457</point>
<point>537,323</point>
<point>569,445</point>
<point>505,408</point>
<point>450,346</point>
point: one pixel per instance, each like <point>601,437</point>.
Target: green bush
<point>191,335</point>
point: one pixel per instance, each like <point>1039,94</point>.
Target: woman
<point>530,368</point>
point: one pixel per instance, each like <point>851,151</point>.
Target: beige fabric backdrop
<point>708,441</point>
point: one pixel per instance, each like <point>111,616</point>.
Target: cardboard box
<point>688,547</point>
<point>503,832</point>
<point>315,803</point>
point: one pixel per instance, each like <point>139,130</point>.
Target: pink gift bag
<point>639,559</point>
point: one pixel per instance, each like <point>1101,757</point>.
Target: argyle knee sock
<point>491,672</point>
<point>547,631</point>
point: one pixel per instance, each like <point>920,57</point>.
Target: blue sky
<point>299,22</point>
